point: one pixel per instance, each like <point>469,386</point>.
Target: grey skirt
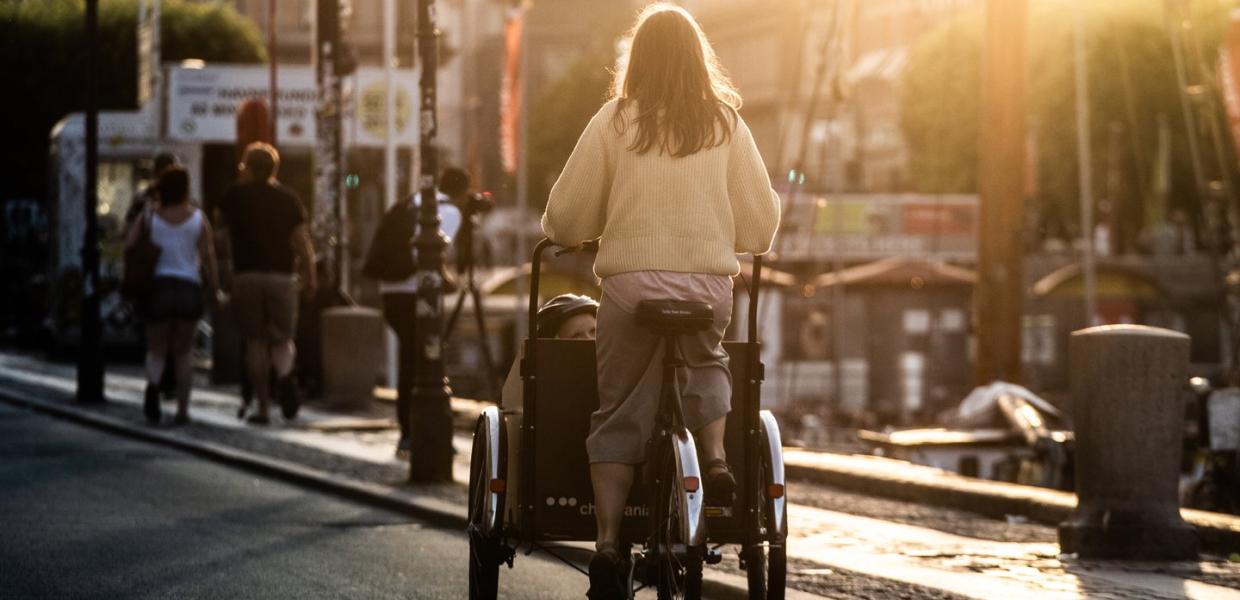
<point>630,368</point>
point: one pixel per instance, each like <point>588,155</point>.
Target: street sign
<point>202,104</point>
<point>864,227</point>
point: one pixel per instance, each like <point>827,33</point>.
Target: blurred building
<point>877,298</point>
<point>774,52</point>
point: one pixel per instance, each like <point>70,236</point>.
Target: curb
<point>876,476</point>
<point>444,514</point>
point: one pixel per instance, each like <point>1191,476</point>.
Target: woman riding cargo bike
<point>668,180</point>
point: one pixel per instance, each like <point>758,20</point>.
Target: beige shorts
<point>265,305</point>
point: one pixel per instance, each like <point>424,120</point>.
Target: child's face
<point>577,327</point>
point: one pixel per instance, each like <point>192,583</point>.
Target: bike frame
<point>753,486</point>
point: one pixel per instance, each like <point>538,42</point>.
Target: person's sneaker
<point>608,576</point>
<point>720,484</point>
<point>150,404</point>
<point>404,447</point>
<point>290,397</point>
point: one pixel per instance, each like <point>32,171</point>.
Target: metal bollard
<point>353,352</point>
<point>1128,384</point>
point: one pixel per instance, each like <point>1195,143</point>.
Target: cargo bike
<point>529,486</point>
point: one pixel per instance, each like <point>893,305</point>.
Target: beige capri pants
<point>630,362</point>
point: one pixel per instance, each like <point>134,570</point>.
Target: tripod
<point>465,262</point>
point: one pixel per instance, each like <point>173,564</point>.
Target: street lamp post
<point>430,458</point>
<point>90,355</point>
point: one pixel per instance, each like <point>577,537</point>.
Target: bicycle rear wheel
<point>675,521</point>
<point>485,550</point>
<point>766,563</point>
<point>766,566</point>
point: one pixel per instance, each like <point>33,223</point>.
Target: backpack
<point>390,257</point>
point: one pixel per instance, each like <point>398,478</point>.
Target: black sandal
<point>720,483</point>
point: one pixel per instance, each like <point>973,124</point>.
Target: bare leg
<point>710,440</point>
<point>156,351</point>
<point>282,355</point>
<point>258,364</point>
<point>182,347</point>
<point>611,489</point>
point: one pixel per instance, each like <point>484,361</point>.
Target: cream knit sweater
<point>651,211</point>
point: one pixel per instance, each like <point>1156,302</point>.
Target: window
<point>916,321</point>
<point>912,379</point>
<point>951,320</point>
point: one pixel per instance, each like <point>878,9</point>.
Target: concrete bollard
<point>353,354</point>
<point>1128,386</point>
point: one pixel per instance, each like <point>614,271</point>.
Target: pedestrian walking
<point>391,260</point>
<point>269,241</point>
<point>669,180</point>
<point>149,198</point>
<point>173,302</point>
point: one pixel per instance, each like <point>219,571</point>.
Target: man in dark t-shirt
<point>269,237</point>
<point>262,217</point>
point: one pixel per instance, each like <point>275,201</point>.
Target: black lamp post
<point>90,354</point>
<point>430,458</point>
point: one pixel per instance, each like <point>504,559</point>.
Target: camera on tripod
<point>478,203</point>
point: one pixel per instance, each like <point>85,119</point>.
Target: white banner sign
<point>202,104</point>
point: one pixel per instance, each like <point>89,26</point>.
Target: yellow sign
<point>372,109</point>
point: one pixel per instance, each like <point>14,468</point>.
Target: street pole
<point>1084,156</point>
<point>389,103</point>
<point>90,356</point>
<point>389,156</point>
<point>999,296</point>
<point>431,457</point>
<point>523,179</point>
<point>272,63</point>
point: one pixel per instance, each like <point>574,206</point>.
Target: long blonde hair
<point>683,101</point>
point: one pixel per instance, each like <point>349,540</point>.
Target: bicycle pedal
<point>713,556</point>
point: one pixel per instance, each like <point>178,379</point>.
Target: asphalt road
<point>88,514</point>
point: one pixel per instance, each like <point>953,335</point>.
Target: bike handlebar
<point>590,246</point>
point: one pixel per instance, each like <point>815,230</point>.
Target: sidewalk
<point>844,544</point>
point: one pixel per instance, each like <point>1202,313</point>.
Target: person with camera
<point>391,260</point>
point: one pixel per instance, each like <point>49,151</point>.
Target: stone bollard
<point>1128,385</point>
<point>353,354</point>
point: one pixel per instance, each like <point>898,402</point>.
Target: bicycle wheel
<point>675,521</point>
<point>766,567</point>
<point>766,564</point>
<point>484,550</point>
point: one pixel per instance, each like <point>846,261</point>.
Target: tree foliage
<point>1132,86</point>
<point>558,117</point>
<point>43,58</point>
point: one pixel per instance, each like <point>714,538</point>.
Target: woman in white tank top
<point>175,302</point>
